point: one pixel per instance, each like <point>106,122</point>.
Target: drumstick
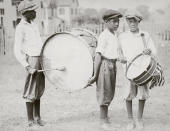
<point>59,68</point>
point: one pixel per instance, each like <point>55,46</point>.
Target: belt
<point>110,60</point>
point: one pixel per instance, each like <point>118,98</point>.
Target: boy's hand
<point>91,81</point>
<point>147,51</point>
<point>30,70</point>
<point>122,60</point>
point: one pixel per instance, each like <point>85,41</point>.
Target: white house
<point>8,15</point>
<point>65,10</point>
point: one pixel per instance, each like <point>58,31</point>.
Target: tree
<point>144,10</point>
<point>88,16</point>
<point>160,11</point>
<point>122,10</point>
<point>91,12</point>
<point>101,12</point>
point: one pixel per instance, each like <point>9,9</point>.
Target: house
<point>65,10</point>
<point>9,16</point>
<point>61,10</point>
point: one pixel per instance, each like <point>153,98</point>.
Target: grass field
<point>77,111</point>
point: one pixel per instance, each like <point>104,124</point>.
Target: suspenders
<point>144,40</point>
<point>120,51</point>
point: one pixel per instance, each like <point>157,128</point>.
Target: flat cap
<point>133,14</point>
<point>111,14</point>
<point>27,5</point>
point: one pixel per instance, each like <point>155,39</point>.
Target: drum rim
<point>88,31</point>
<point>47,40</point>
<point>148,75</point>
<point>138,78</point>
<point>132,62</point>
<point>41,54</point>
<point>93,36</point>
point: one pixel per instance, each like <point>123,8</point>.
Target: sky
<point>130,4</point>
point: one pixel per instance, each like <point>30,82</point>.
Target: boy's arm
<point>97,61</point>
<point>151,46</point>
<point>21,57</point>
<point>151,49</point>
<point>97,64</point>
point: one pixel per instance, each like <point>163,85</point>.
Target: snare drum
<point>142,69</point>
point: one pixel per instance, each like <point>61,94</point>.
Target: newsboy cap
<point>133,14</point>
<point>27,5</point>
<point>111,14</point>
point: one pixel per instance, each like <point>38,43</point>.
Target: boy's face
<point>133,24</point>
<point>113,24</point>
<point>30,15</point>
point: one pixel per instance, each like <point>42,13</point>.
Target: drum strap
<point>119,49</point>
<point>144,40</point>
<point>158,78</point>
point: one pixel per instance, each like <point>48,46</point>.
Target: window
<point>76,12</point>
<point>72,11</point>
<point>42,5</point>
<point>14,23</point>
<point>16,2</point>
<point>1,21</point>
<point>1,11</point>
<point>61,11</point>
<point>18,13</point>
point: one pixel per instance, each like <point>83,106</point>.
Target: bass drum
<point>66,50</point>
<point>88,36</point>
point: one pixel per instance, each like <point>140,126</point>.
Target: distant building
<point>60,10</point>
<point>65,10</point>
<point>8,15</point>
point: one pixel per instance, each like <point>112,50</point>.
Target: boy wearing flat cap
<point>27,50</point>
<point>105,64</point>
<point>134,42</point>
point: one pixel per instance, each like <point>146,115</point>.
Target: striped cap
<point>133,14</point>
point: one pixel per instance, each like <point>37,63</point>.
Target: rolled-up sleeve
<point>100,45</point>
<point>21,56</point>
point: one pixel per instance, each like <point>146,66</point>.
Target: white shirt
<point>27,41</point>
<point>107,45</point>
<point>132,44</point>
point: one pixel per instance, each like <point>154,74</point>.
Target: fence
<point>158,31</point>
<point>2,40</point>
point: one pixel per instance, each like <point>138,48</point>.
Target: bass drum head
<point>88,36</point>
<point>138,66</point>
<point>64,49</point>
